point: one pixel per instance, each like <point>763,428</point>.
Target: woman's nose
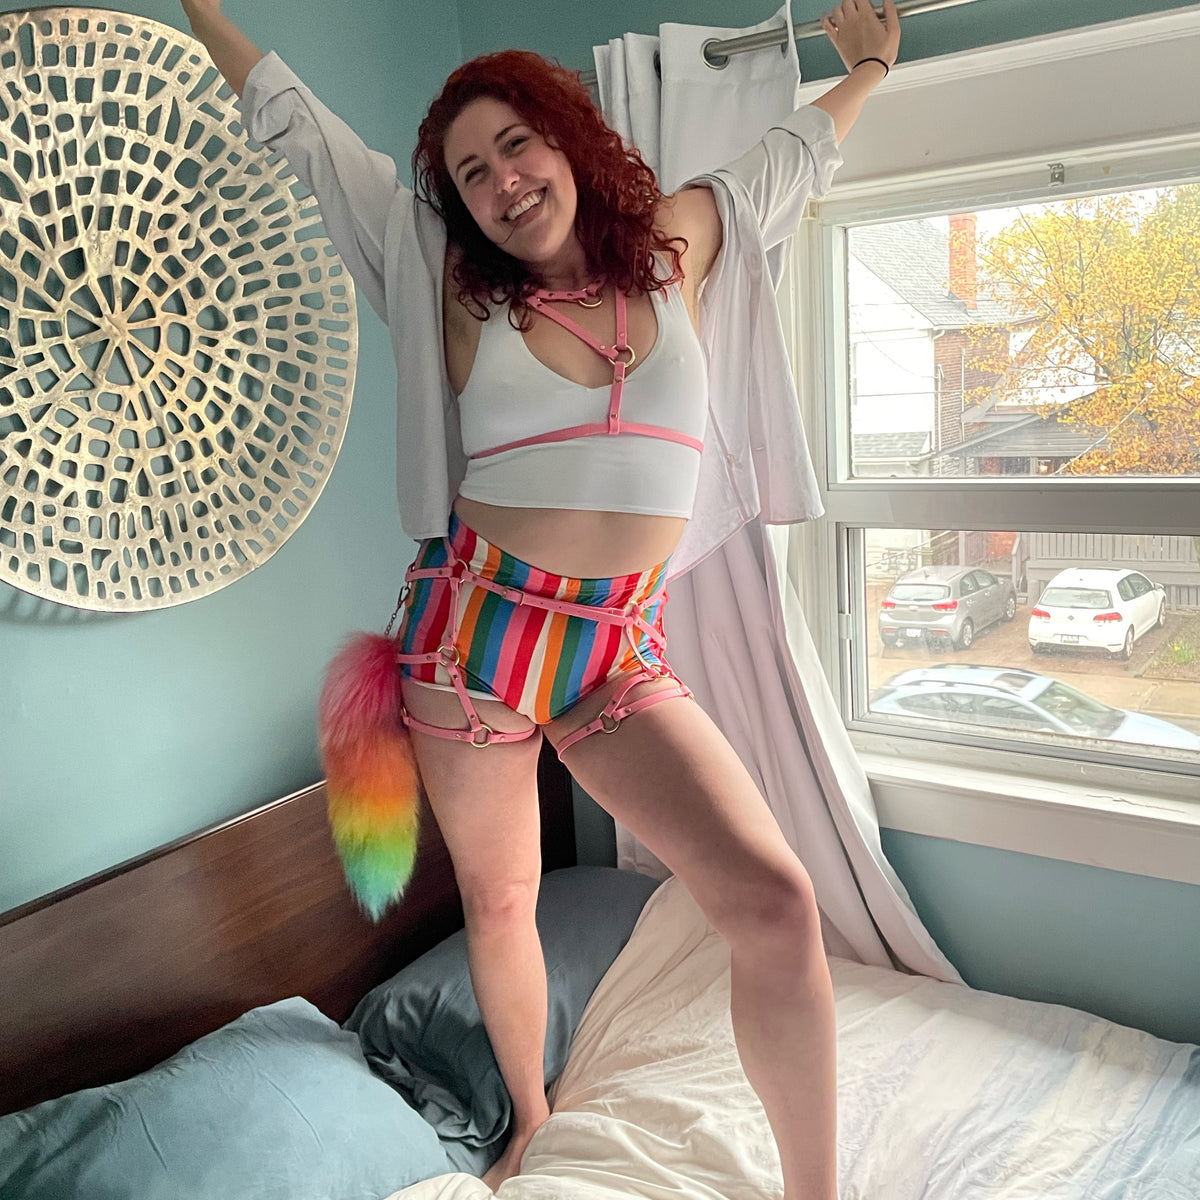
<point>506,176</point>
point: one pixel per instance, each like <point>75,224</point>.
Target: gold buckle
<point>632,356</point>
<point>604,719</point>
<point>487,730</point>
<point>443,651</point>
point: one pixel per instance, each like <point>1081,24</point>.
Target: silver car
<point>1005,698</point>
<point>944,605</point>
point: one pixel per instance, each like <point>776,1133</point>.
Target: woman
<point>569,309</point>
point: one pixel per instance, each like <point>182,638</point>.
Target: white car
<point>1099,609</point>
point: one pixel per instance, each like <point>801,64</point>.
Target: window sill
<point>1120,826</point>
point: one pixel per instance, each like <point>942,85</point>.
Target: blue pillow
<point>422,1032</point>
<point>277,1104</point>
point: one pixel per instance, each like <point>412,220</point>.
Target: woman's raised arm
<point>232,52</point>
<point>857,33</point>
<point>797,157</point>
<point>354,185</point>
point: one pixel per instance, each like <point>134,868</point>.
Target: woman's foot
<point>509,1163</point>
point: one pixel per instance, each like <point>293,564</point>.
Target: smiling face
<point>519,189</point>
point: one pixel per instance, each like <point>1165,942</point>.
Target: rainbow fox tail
<point>371,779</point>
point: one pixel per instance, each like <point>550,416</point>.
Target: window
<point>1025,325</point>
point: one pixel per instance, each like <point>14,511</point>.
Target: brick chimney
<point>963,271</point>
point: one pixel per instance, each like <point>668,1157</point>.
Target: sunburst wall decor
<point>177,335</point>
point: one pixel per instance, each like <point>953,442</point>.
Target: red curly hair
<point>618,194</point>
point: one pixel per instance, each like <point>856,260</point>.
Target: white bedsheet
<point>944,1093</point>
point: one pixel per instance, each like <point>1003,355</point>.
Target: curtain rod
<point>717,53</point>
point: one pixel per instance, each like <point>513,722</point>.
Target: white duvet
<point>944,1093</point>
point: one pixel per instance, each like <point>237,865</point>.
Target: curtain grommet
<point>718,62</point>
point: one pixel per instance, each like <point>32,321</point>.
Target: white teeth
<point>523,206</point>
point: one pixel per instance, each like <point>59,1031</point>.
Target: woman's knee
<point>774,902</point>
<point>498,904</point>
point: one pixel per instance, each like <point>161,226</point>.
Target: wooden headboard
<point>107,977</point>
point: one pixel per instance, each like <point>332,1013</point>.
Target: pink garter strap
<point>614,712</point>
<point>480,734</point>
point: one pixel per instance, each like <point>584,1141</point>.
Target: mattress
<point>945,1093</point>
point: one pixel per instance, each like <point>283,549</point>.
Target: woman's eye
<point>517,141</point>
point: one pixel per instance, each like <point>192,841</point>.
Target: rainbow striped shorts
<point>507,647</point>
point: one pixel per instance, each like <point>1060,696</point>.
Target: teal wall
<point>1122,946</point>
<point>567,29</point>
<point>121,732</point>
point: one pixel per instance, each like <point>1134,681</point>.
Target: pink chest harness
<point>620,354</point>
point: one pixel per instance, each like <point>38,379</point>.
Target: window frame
<point>1121,811</point>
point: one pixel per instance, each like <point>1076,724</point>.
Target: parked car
<point>941,605</point>
<point>1021,700</point>
<point>1105,608</point>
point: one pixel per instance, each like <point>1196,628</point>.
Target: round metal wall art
<point>177,335</point>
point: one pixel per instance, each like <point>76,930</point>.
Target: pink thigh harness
<point>475,615</point>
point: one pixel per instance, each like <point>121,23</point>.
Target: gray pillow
<point>277,1105</point>
<point>422,1032</point>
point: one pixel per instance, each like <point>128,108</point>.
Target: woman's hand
<point>857,31</point>
<point>201,8</point>
<point>232,52</point>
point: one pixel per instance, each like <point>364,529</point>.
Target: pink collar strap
<point>579,296</point>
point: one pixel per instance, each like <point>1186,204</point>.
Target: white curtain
<point>734,626</point>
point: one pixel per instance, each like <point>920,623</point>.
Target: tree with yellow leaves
<point>1113,287</point>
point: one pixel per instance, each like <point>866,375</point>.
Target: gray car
<point>939,606</point>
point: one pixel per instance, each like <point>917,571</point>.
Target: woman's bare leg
<point>785,1029</point>
<point>486,804</point>
<point>670,777</point>
<point>509,977</point>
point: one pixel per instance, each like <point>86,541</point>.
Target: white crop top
<point>634,448</point>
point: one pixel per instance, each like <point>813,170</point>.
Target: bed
<point>945,1092</point>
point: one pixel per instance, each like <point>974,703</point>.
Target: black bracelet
<point>886,68</point>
